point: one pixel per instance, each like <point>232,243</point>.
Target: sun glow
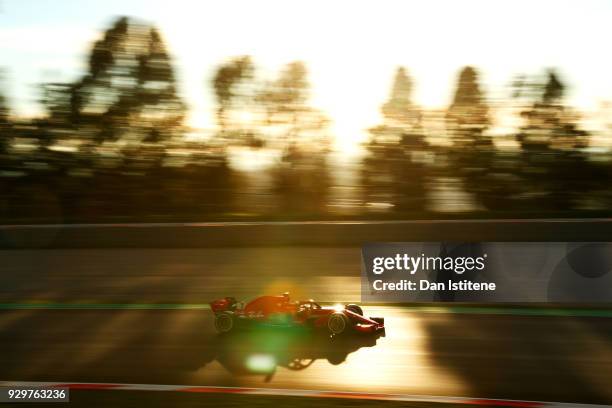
<point>351,50</point>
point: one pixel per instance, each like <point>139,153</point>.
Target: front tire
<point>337,323</point>
<point>224,322</point>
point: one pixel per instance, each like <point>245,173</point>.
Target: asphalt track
<point>486,354</point>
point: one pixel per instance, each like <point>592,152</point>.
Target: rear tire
<point>337,323</point>
<point>224,322</point>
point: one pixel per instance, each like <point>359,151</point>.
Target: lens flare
<point>261,363</point>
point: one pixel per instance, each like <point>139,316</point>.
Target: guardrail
<point>307,233</point>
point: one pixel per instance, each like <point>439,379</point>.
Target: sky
<point>352,48</point>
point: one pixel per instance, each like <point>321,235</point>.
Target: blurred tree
<point>110,74</point>
<point>159,108</point>
<point>401,118</point>
<point>127,95</point>
<point>228,83</point>
<point>468,114</point>
<point>57,99</point>
<point>301,183</point>
<point>553,90</point>
<point>548,123</point>
<point>129,91</point>
<point>5,126</point>
<point>555,172</point>
<point>399,108</point>
<point>394,172</point>
<point>301,179</point>
<point>472,156</point>
<point>288,115</point>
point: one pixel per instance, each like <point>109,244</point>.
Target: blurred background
<point>147,111</point>
<point>236,111</point>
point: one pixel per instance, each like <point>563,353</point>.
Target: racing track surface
<point>548,358</point>
<point>513,357</point>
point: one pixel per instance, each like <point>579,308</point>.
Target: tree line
<point>111,146</point>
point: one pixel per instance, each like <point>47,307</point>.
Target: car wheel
<point>337,323</point>
<point>224,322</point>
<point>355,309</point>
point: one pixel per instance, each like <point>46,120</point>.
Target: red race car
<point>280,311</point>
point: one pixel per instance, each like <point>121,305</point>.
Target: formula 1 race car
<point>280,311</point>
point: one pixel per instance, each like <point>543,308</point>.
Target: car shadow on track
<point>262,351</point>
